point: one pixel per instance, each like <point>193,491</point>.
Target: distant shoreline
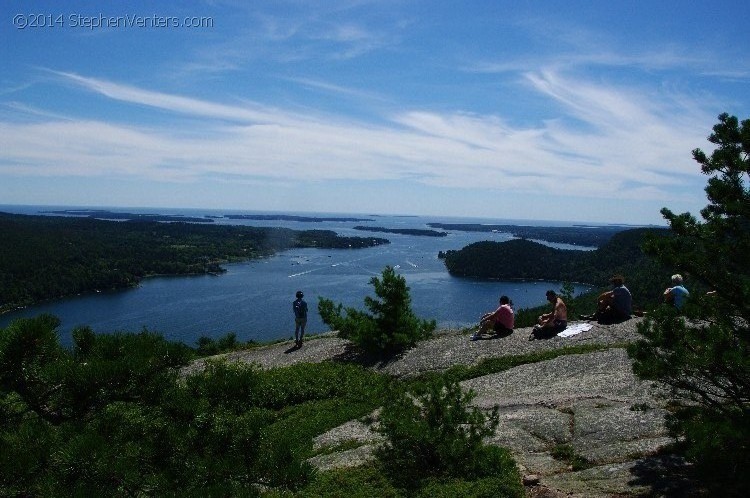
<point>290,217</point>
<point>403,231</point>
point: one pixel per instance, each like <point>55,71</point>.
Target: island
<point>50,257</point>
<point>578,235</point>
<point>403,231</point>
<point>521,259</point>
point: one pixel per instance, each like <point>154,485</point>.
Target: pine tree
<point>703,352</point>
<point>392,326</point>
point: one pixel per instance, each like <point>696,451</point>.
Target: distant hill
<point>527,260</point>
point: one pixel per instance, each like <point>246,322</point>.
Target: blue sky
<point>554,110</point>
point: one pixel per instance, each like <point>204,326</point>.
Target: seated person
<point>677,294</point>
<point>553,322</point>
<point>616,305</point>
<point>501,321</point>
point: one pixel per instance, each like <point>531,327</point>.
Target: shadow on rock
<point>292,349</point>
<point>543,333</point>
<point>666,475</point>
<point>353,354</point>
<point>494,335</point>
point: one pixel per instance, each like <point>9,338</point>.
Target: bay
<point>253,299</point>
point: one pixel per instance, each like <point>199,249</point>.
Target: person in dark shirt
<point>614,306</point>
<point>299,306</point>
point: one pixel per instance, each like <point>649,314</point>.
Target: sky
<point>541,110</point>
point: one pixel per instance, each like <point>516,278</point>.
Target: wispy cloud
<point>610,143</point>
<point>299,32</point>
<point>338,89</point>
<point>178,104</point>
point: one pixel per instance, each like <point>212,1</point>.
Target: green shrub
<point>110,417</point>
<point>303,382</point>
<point>25,440</point>
<point>359,482</point>
<point>567,453</point>
<point>436,435</point>
<point>29,353</point>
<point>208,346</point>
<point>503,486</point>
<point>392,326</point>
<point>228,385</point>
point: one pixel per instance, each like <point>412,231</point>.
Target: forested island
<point>579,235</point>
<point>527,260</point>
<point>289,217</point>
<point>403,231</point>
<point>46,257</point>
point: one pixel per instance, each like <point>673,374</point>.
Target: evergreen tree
<point>703,352</point>
<point>439,435</point>
<point>392,326</point>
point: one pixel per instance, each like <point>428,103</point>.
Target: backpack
<point>300,308</point>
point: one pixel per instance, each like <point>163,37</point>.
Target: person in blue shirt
<point>677,294</point>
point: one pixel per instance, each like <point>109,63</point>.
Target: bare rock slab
<point>592,403</point>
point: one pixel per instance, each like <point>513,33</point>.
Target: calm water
<point>253,299</point>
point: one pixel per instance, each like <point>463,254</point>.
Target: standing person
<point>299,306</point>
<point>677,294</point>
<point>501,321</point>
<point>616,305</point>
<point>553,322</point>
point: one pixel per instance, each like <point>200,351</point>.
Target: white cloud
<point>608,143</point>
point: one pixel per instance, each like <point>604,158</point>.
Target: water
<point>253,299</point>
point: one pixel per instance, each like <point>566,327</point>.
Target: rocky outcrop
<point>581,423</point>
<point>578,425</point>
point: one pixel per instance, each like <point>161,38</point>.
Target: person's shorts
<point>560,325</point>
<point>540,332</point>
<point>300,321</point>
<point>501,329</point>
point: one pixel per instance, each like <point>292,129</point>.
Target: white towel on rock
<point>575,329</point>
